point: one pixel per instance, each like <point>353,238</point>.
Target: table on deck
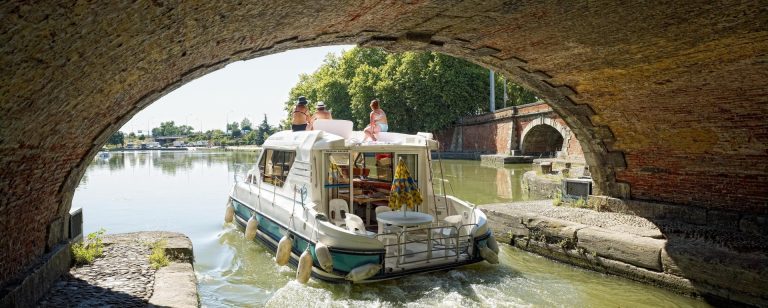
<point>408,219</point>
<point>365,199</point>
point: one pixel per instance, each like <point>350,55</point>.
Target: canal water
<point>186,192</point>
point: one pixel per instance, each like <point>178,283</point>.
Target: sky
<point>242,89</point>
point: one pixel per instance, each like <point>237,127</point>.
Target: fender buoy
<point>492,244</point>
<point>324,257</point>
<point>229,215</point>
<point>251,227</point>
<point>284,250</point>
<point>304,269</point>
<point>489,255</point>
<point>363,272</point>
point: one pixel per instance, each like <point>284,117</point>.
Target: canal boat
<point>320,200</point>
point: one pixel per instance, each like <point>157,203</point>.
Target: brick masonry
<point>526,129</point>
<point>667,100</point>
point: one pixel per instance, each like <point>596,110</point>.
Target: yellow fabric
<point>404,190</point>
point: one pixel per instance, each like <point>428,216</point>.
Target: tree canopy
<point>170,129</point>
<point>419,91</point>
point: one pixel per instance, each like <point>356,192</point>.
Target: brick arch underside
<point>668,102</point>
<point>541,139</point>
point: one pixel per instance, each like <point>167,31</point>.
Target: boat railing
<point>427,244</point>
<point>240,172</point>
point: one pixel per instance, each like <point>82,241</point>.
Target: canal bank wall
<point>697,260</point>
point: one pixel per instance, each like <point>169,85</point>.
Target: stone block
<point>55,233</point>
<point>754,224</point>
<point>632,249</point>
<point>669,264</point>
<point>553,227</point>
<point>726,220</point>
<point>731,274</point>
<point>175,286</point>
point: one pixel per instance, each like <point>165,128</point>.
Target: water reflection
<point>171,162</point>
<point>480,184</point>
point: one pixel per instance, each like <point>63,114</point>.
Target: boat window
<point>411,161</point>
<point>275,166</point>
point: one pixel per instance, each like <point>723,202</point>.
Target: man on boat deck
<point>300,117</point>
<point>321,113</point>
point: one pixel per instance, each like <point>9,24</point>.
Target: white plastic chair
<point>356,225</point>
<point>447,236</point>
<point>338,210</point>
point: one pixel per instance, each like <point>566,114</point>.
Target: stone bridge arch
<point>541,122</point>
<point>651,92</point>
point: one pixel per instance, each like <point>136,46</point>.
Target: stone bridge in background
<point>669,101</point>
<point>531,130</point>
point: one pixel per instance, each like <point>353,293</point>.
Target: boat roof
<point>328,136</point>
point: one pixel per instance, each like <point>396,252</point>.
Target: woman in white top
<point>378,121</point>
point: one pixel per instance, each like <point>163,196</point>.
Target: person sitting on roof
<point>378,121</point>
<point>321,113</point>
<point>300,117</point>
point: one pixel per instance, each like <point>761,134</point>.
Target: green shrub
<point>581,203</point>
<point>90,249</point>
<point>558,200</point>
<point>158,258</point>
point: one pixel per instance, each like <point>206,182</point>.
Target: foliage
<point>419,91</point>
<point>90,249</point>
<point>246,124</point>
<point>580,203</point>
<point>262,132</point>
<point>234,129</point>
<point>170,129</point>
<point>158,258</point>
<point>557,201</point>
<point>118,138</point>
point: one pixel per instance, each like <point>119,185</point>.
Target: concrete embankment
<point>123,276</point>
<point>691,259</point>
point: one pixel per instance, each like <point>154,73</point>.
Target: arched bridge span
<point>667,100</point>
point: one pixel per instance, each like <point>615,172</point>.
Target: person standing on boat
<point>300,117</point>
<point>378,121</point>
<point>321,113</point>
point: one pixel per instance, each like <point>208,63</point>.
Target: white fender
<point>251,227</point>
<point>229,215</point>
<point>304,269</point>
<point>489,255</point>
<point>284,250</point>
<point>492,244</point>
<point>363,272</point>
<point>324,257</point>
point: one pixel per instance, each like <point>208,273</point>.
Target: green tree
<point>419,91</point>
<point>246,124</point>
<point>118,138</point>
<point>263,131</point>
<point>234,129</point>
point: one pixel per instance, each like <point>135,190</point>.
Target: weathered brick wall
<point>668,100</point>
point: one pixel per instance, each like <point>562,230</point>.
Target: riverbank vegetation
<point>238,133</point>
<point>420,91</point>
<point>158,258</point>
<point>90,249</point>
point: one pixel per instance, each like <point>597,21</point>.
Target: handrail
<point>456,240</point>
